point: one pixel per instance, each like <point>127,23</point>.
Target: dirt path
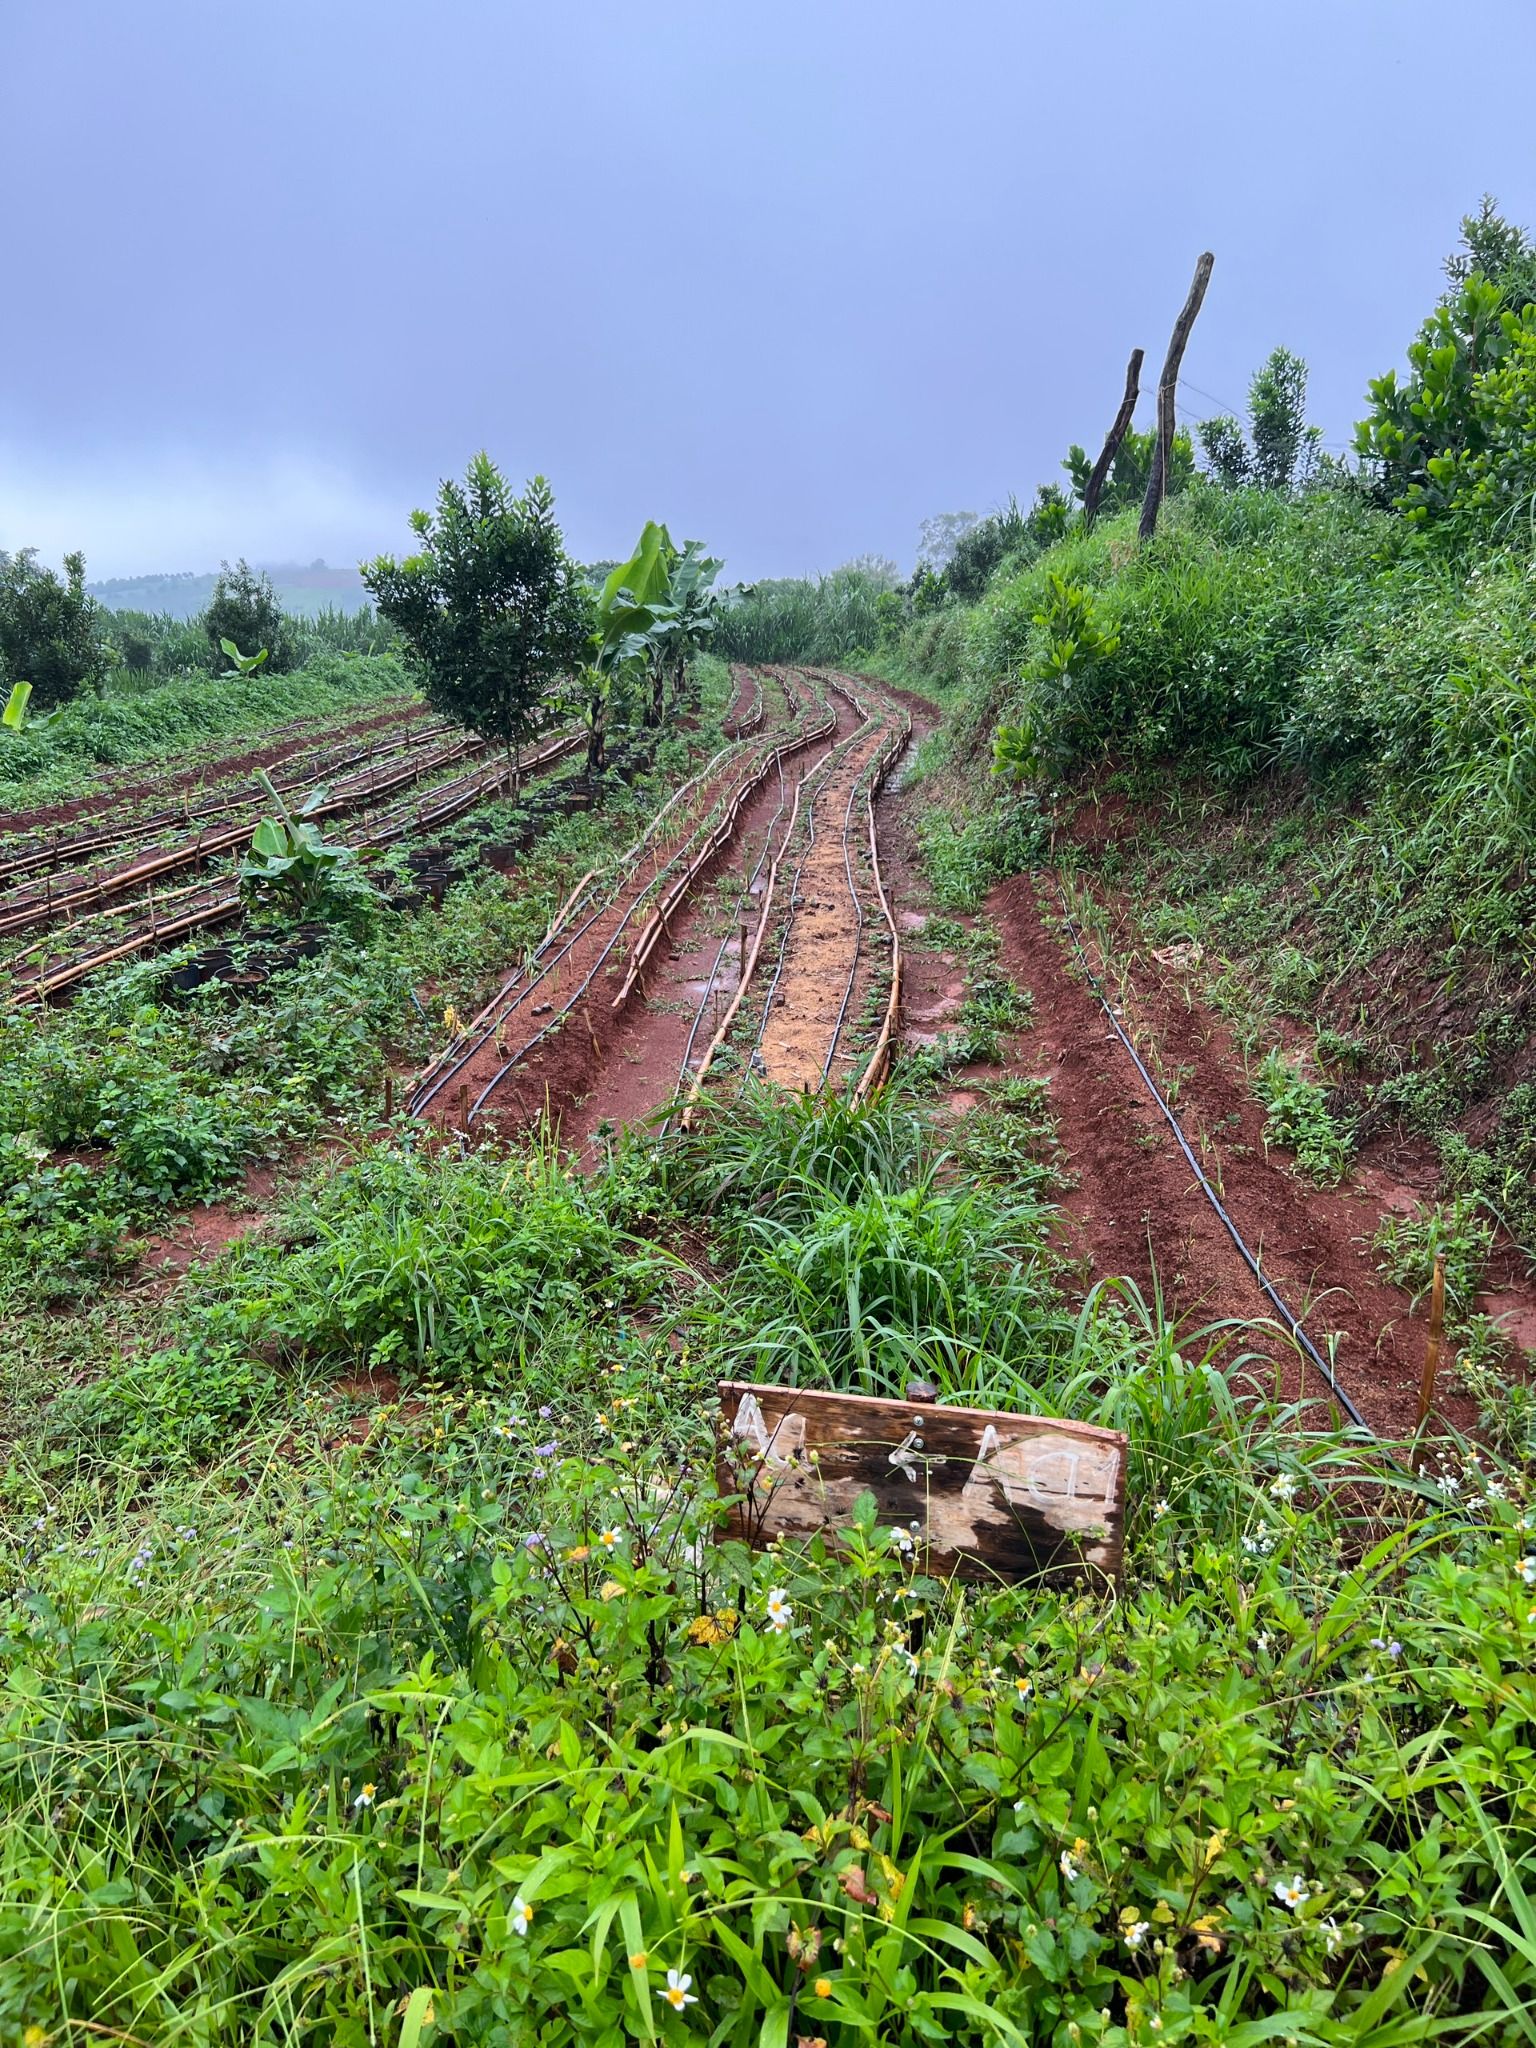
<point>560,1028</point>
<point>1137,1208</point>
<point>689,980</point>
<point>813,999</point>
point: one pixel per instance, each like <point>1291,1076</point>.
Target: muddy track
<point>1137,1209</point>
<point>536,1047</point>
<point>805,1042</point>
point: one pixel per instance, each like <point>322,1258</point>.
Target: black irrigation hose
<point>1292,1325</point>
<point>559,1018</point>
<point>742,901</point>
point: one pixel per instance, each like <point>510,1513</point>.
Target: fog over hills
<point>304,587</point>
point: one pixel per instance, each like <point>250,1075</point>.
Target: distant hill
<point>301,587</point>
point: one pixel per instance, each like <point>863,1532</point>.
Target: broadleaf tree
<point>50,631</point>
<point>490,604</point>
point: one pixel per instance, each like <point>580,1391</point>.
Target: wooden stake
<point>1162,449</point>
<point>464,1106</point>
<point>1095,484</point>
<point>389,1097</point>
<point>1431,1360</point>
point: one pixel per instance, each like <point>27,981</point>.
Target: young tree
<point>1283,443</point>
<point>244,608</point>
<point>491,605</point>
<point>1280,450</point>
<point>1126,483</point>
<point>50,631</point>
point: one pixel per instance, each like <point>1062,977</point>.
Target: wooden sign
<point>994,1496</point>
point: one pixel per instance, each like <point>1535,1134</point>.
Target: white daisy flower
<point>522,1915</point>
<point>1292,1892</point>
<point>677,1993</point>
<point>780,1613</point>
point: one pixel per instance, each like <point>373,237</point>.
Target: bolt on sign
<point>993,1496</point>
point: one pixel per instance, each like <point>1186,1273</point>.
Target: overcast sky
<point>789,274</point>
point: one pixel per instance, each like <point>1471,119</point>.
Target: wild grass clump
<point>799,619</point>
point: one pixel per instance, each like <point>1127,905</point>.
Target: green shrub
<point>448,1266</point>
<point>1298,1116</point>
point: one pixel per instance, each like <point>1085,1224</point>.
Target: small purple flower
<point>545,1413</point>
<point>546,1450</point>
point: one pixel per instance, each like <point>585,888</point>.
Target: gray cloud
<point>790,275</point>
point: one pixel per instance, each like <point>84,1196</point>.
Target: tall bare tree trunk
<point>1166,393</point>
<point>1093,490</point>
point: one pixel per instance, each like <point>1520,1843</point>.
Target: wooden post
<point>1166,390</point>
<point>1093,489</point>
<point>389,1096</point>
<point>1431,1360</point>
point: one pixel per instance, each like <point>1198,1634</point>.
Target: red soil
<point>1137,1209</point>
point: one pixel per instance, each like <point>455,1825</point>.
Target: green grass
<point>159,724</point>
<point>294,1736</point>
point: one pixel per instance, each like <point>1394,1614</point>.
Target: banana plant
<point>242,664</point>
<point>695,604</point>
<point>289,862</point>
<point>652,613</point>
<point>14,717</point>
<point>631,612</point>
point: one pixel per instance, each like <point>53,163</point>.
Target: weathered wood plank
<point>995,1496</point>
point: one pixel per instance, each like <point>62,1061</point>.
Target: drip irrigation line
<point>1271,1293</point>
<point>858,932</point>
<point>789,901</point>
<point>476,1108</point>
<point>741,902</point>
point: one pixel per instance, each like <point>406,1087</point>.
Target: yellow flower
<point>639,1960</point>
<point>34,2037</point>
<point>710,1629</point>
<point>578,1553</point>
<point>823,1987</point>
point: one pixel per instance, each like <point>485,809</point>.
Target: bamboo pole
<point>1431,1370</point>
